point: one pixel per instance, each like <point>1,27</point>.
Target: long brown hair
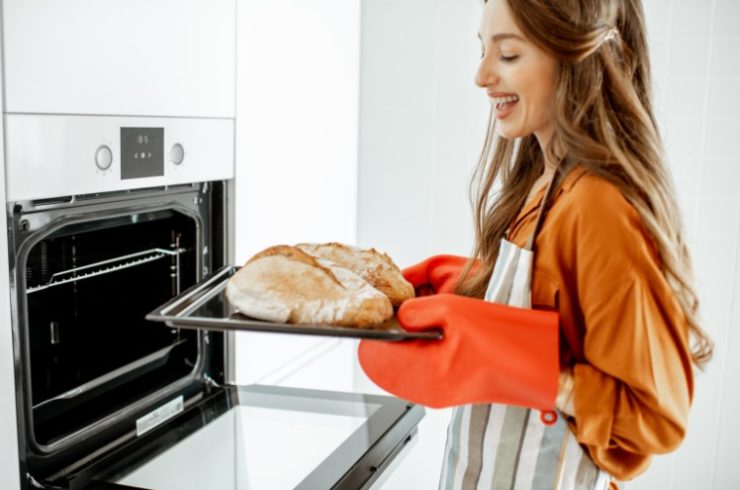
<point>603,119</point>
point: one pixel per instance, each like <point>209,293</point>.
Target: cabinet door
<point>120,57</point>
<point>8,424</point>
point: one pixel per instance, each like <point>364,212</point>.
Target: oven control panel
<point>50,156</point>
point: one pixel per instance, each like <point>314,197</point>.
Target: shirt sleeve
<point>633,388</point>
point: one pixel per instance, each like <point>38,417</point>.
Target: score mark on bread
<point>376,268</point>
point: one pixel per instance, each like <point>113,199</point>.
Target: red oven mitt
<point>437,274</point>
<point>490,353</point>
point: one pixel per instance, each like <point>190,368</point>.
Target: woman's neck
<point>543,138</point>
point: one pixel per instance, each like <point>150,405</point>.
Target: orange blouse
<point>622,329</point>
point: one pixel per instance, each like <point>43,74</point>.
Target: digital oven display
<point>142,152</point>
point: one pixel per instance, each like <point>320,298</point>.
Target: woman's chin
<point>510,134</point>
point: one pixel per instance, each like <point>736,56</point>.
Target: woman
<point>586,211</point>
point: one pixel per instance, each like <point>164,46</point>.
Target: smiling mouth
<point>503,103</point>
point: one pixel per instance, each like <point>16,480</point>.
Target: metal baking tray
<point>204,306</point>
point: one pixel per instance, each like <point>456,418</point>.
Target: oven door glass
<point>272,437</point>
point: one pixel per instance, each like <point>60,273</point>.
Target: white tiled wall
<point>422,122</point>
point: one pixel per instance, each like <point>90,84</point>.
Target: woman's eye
<point>508,59</point>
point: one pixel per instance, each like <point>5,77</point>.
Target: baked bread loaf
<point>284,284</point>
<point>376,268</point>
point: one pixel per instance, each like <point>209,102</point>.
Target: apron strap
<point>542,211</point>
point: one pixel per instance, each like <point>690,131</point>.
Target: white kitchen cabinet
<point>92,57</point>
<point>8,431</point>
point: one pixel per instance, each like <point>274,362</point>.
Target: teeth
<point>504,100</point>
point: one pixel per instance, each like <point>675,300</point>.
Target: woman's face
<point>518,76</point>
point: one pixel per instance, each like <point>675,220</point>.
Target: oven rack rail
<point>106,267</point>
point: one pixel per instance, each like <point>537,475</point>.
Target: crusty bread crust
<point>376,268</point>
<point>284,284</point>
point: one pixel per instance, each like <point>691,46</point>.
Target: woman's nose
<point>486,75</point>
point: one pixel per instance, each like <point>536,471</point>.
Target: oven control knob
<point>177,154</point>
<point>103,157</point>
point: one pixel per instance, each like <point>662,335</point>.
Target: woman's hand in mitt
<point>437,274</point>
<point>489,353</point>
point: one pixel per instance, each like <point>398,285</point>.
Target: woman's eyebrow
<point>502,36</point>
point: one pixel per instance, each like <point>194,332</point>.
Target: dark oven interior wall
<point>85,329</point>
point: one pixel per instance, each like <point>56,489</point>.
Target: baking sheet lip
<point>226,324</point>
<point>199,292</point>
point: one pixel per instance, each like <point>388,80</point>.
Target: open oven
<point>107,397</point>
<point>119,155</point>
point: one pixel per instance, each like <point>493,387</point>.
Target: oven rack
<point>106,267</point>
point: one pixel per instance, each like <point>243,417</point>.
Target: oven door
<point>263,437</point>
<point>85,271</point>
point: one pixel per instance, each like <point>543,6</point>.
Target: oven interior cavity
<point>89,286</point>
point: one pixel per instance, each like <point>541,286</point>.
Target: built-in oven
<point>106,397</point>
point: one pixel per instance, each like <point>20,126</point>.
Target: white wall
<point>421,129</point>
<point>421,126</point>
<point>296,164</point>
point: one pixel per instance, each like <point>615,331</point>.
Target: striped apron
<point>506,447</point>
